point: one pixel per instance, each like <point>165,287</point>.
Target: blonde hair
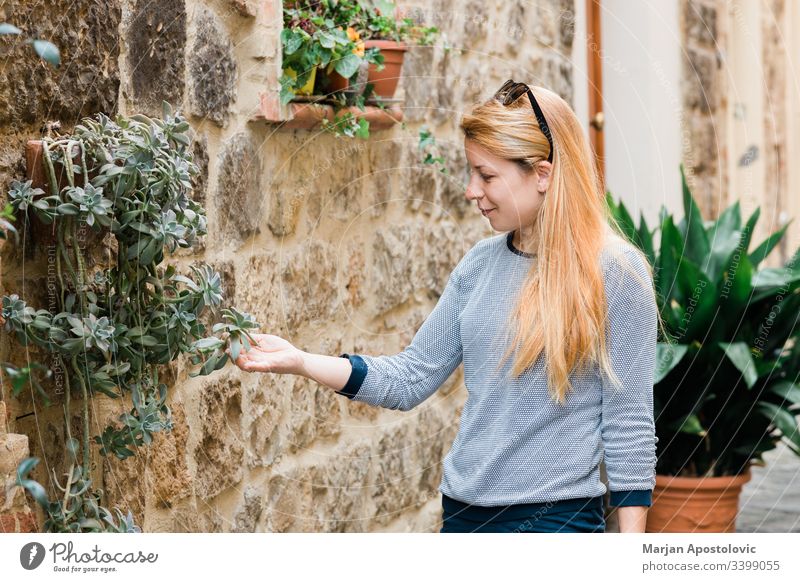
<point>575,225</point>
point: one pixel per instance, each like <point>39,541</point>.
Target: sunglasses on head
<point>510,92</point>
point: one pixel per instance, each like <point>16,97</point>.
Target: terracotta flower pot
<point>386,80</point>
<point>695,504</point>
<point>44,234</point>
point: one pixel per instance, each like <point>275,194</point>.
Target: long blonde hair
<point>566,281</point>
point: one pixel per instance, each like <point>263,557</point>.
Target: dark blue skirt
<point>581,515</point>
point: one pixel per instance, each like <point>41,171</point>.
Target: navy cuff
<point>636,497</point>
<point>356,376</point>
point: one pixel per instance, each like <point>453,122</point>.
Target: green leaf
<point>689,424</point>
<point>784,420</point>
<point>668,356</point>
<point>326,39</point>
<point>789,391</point>
<point>739,353</point>
<point>765,248</point>
<point>48,51</point>
<point>6,28</point>
<point>67,209</point>
<point>207,343</point>
<point>236,347</point>
<point>696,242</point>
<point>348,65</point>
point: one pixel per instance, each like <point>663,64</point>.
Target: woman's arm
<point>632,518</point>
<point>400,381</point>
<point>276,355</point>
<point>627,422</point>
<point>330,371</point>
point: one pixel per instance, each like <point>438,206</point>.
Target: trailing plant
<point>116,324</point>
<point>427,145</point>
<point>319,34</point>
<point>382,23</point>
<point>44,48</point>
<point>330,35</point>
<point>726,385</point>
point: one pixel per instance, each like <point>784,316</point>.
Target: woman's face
<point>502,186</point>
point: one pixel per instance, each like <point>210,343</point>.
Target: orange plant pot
<point>386,80</point>
<point>695,504</point>
<point>331,82</point>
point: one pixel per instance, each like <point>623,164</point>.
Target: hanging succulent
<point>131,178</point>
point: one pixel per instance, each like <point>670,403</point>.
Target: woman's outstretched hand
<point>270,354</point>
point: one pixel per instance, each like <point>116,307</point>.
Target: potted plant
<point>391,34</point>
<point>321,50</point>
<point>119,311</point>
<point>725,388</point>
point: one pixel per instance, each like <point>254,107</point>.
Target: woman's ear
<point>543,176</point>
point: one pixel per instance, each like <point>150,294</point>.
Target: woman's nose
<point>472,193</point>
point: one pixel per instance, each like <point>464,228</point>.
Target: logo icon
<point>31,555</point>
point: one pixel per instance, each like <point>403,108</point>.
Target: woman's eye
<point>486,178</point>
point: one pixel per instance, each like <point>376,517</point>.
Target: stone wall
<point>703,123</point>
<point>334,244</point>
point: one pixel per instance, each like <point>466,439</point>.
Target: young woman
<point>563,291</point>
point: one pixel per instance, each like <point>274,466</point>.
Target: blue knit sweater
<point>515,444</point>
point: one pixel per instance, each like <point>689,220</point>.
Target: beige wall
<point>335,245</point>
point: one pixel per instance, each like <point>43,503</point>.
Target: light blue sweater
<point>515,444</point>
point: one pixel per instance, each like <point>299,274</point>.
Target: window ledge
<point>297,115</point>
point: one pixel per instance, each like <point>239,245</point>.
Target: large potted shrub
<point>725,389</point>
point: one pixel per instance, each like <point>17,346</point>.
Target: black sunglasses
<point>510,92</point>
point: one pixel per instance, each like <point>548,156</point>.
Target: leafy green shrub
<point>726,387</point>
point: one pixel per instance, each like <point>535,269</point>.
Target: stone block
<point>239,198</point>
<point>213,72</point>
<point>87,81</point>
<point>219,455</point>
<point>156,42</point>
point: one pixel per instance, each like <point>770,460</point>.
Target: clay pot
<point>695,504</point>
<point>308,88</point>
<point>333,82</point>
<point>386,80</point>
<point>44,234</point>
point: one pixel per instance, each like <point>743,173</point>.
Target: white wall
<point>642,104</point>
<point>580,71</point>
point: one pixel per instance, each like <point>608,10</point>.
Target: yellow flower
<point>352,34</point>
<point>359,50</point>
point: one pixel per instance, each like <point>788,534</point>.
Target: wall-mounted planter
<point>310,115</point>
<point>386,80</point>
<point>35,172</point>
<point>308,88</point>
<point>332,82</point>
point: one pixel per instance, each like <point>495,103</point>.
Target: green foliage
<point>329,35</point>
<point>428,146</point>
<point>112,329</point>
<point>46,50</point>
<point>79,511</point>
<point>726,385</point>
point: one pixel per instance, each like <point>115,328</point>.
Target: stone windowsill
<point>303,115</point>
